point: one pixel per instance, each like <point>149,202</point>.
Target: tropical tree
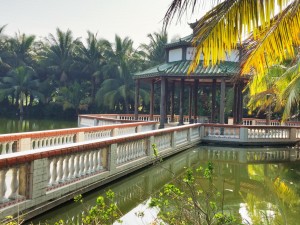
<point>271,27</point>
<point>263,92</point>
<point>288,86</point>
<point>122,62</point>
<point>20,50</point>
<point>59,54</point>
<point>155,51</point>
<point>92,61</point>
<point>267,31</point>
<point>20,83</point>
<point>74,96</point>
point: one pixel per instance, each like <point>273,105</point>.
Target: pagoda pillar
<point>190,104</point>
<point>162,102</point>
<point>172,101</point>
<point>222,101</point>
<point>167,101</point>
<point>213,100</point>
<point>196,84</point>
<point>136,100</point>
<point>181,96</point>
<point>151,100</point>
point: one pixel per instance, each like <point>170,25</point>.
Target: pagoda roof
<point>187,40</point>
<point>180,68</point>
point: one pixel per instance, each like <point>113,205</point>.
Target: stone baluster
<point>4,148</point>
<point>81,164</point>
<point>10,145</point>
<point>87,163</point>
<point>77,165</point>
<point>60,171</point>
<point>66,168</point>
<point>95,160</point>
<point>71,166</point>
<point>3,185</point>
<point>53,173</point>
<point>100,166</point>
<point>91,162</point>
<point>14,184</point>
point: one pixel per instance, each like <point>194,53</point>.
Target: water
<point>16,126</point>
<point>253,191</point>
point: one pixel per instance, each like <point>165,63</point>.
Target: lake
<point>16,126</point>
<point>262,192</point>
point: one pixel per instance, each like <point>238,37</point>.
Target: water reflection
<point>25,125</point>
<point>259,184</point>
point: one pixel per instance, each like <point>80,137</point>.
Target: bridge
<point>39,170</point>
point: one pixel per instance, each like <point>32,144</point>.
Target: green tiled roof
<point>180,68</point>
<point>181,41</point>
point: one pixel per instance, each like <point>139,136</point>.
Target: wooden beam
<point>162,102</point>
<point>137,97</point>
<point>222,101</point>
<point>213,101</point>
<point>196,84</point>
<point>181,101</point>
<point>152,100</point>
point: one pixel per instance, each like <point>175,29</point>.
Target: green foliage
<point>62,63</point>
<point>192,199</point>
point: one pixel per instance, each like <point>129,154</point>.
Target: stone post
<point>112,156</point>
<point>79,137</point>
<point>24,144</point>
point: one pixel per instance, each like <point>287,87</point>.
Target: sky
<point>132,18</point>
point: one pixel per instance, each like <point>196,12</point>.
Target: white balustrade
<point>298,133</point>
<point>195,133</point>
<point>97,134</point>
<point>163,142</point>
<point>86,121</point>
<point>8,147</point>
<point>129,151</point>
<point>222,132</point>
<point>146,128</point>
<point>268,133</point>
<point>9,185</point>
<point>14,185</point>
<point>126,130</point>
<point>3,186</point>
<point>37,143</point>
<point>67,168</point>
<point>181,136</point>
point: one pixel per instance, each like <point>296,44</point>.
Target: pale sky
<point>132,18</point>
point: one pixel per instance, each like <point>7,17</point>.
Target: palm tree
<point>92,61</point>
<point>288,86</point>
<point>20,50</point>
<point>271,27</point>
<point>74,96</point>
<point>59,54</point>
<point>122,63</point>
<point>263,92</point>
<point>21,83</point>
<point>155,50</point>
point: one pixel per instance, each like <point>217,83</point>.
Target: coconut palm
<point>155,51</point>
<point>59,54</point>
<point>20,50</point>
<point>21,83</point>
<point>118,89</point>
<point>263,92</point>
<point>92,61</point>
<point>74,96</point>
<point>288,86</point>
<point>271,27</point>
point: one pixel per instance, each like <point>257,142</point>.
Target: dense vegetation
<point>268,30</point>
<point>61,76</point>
